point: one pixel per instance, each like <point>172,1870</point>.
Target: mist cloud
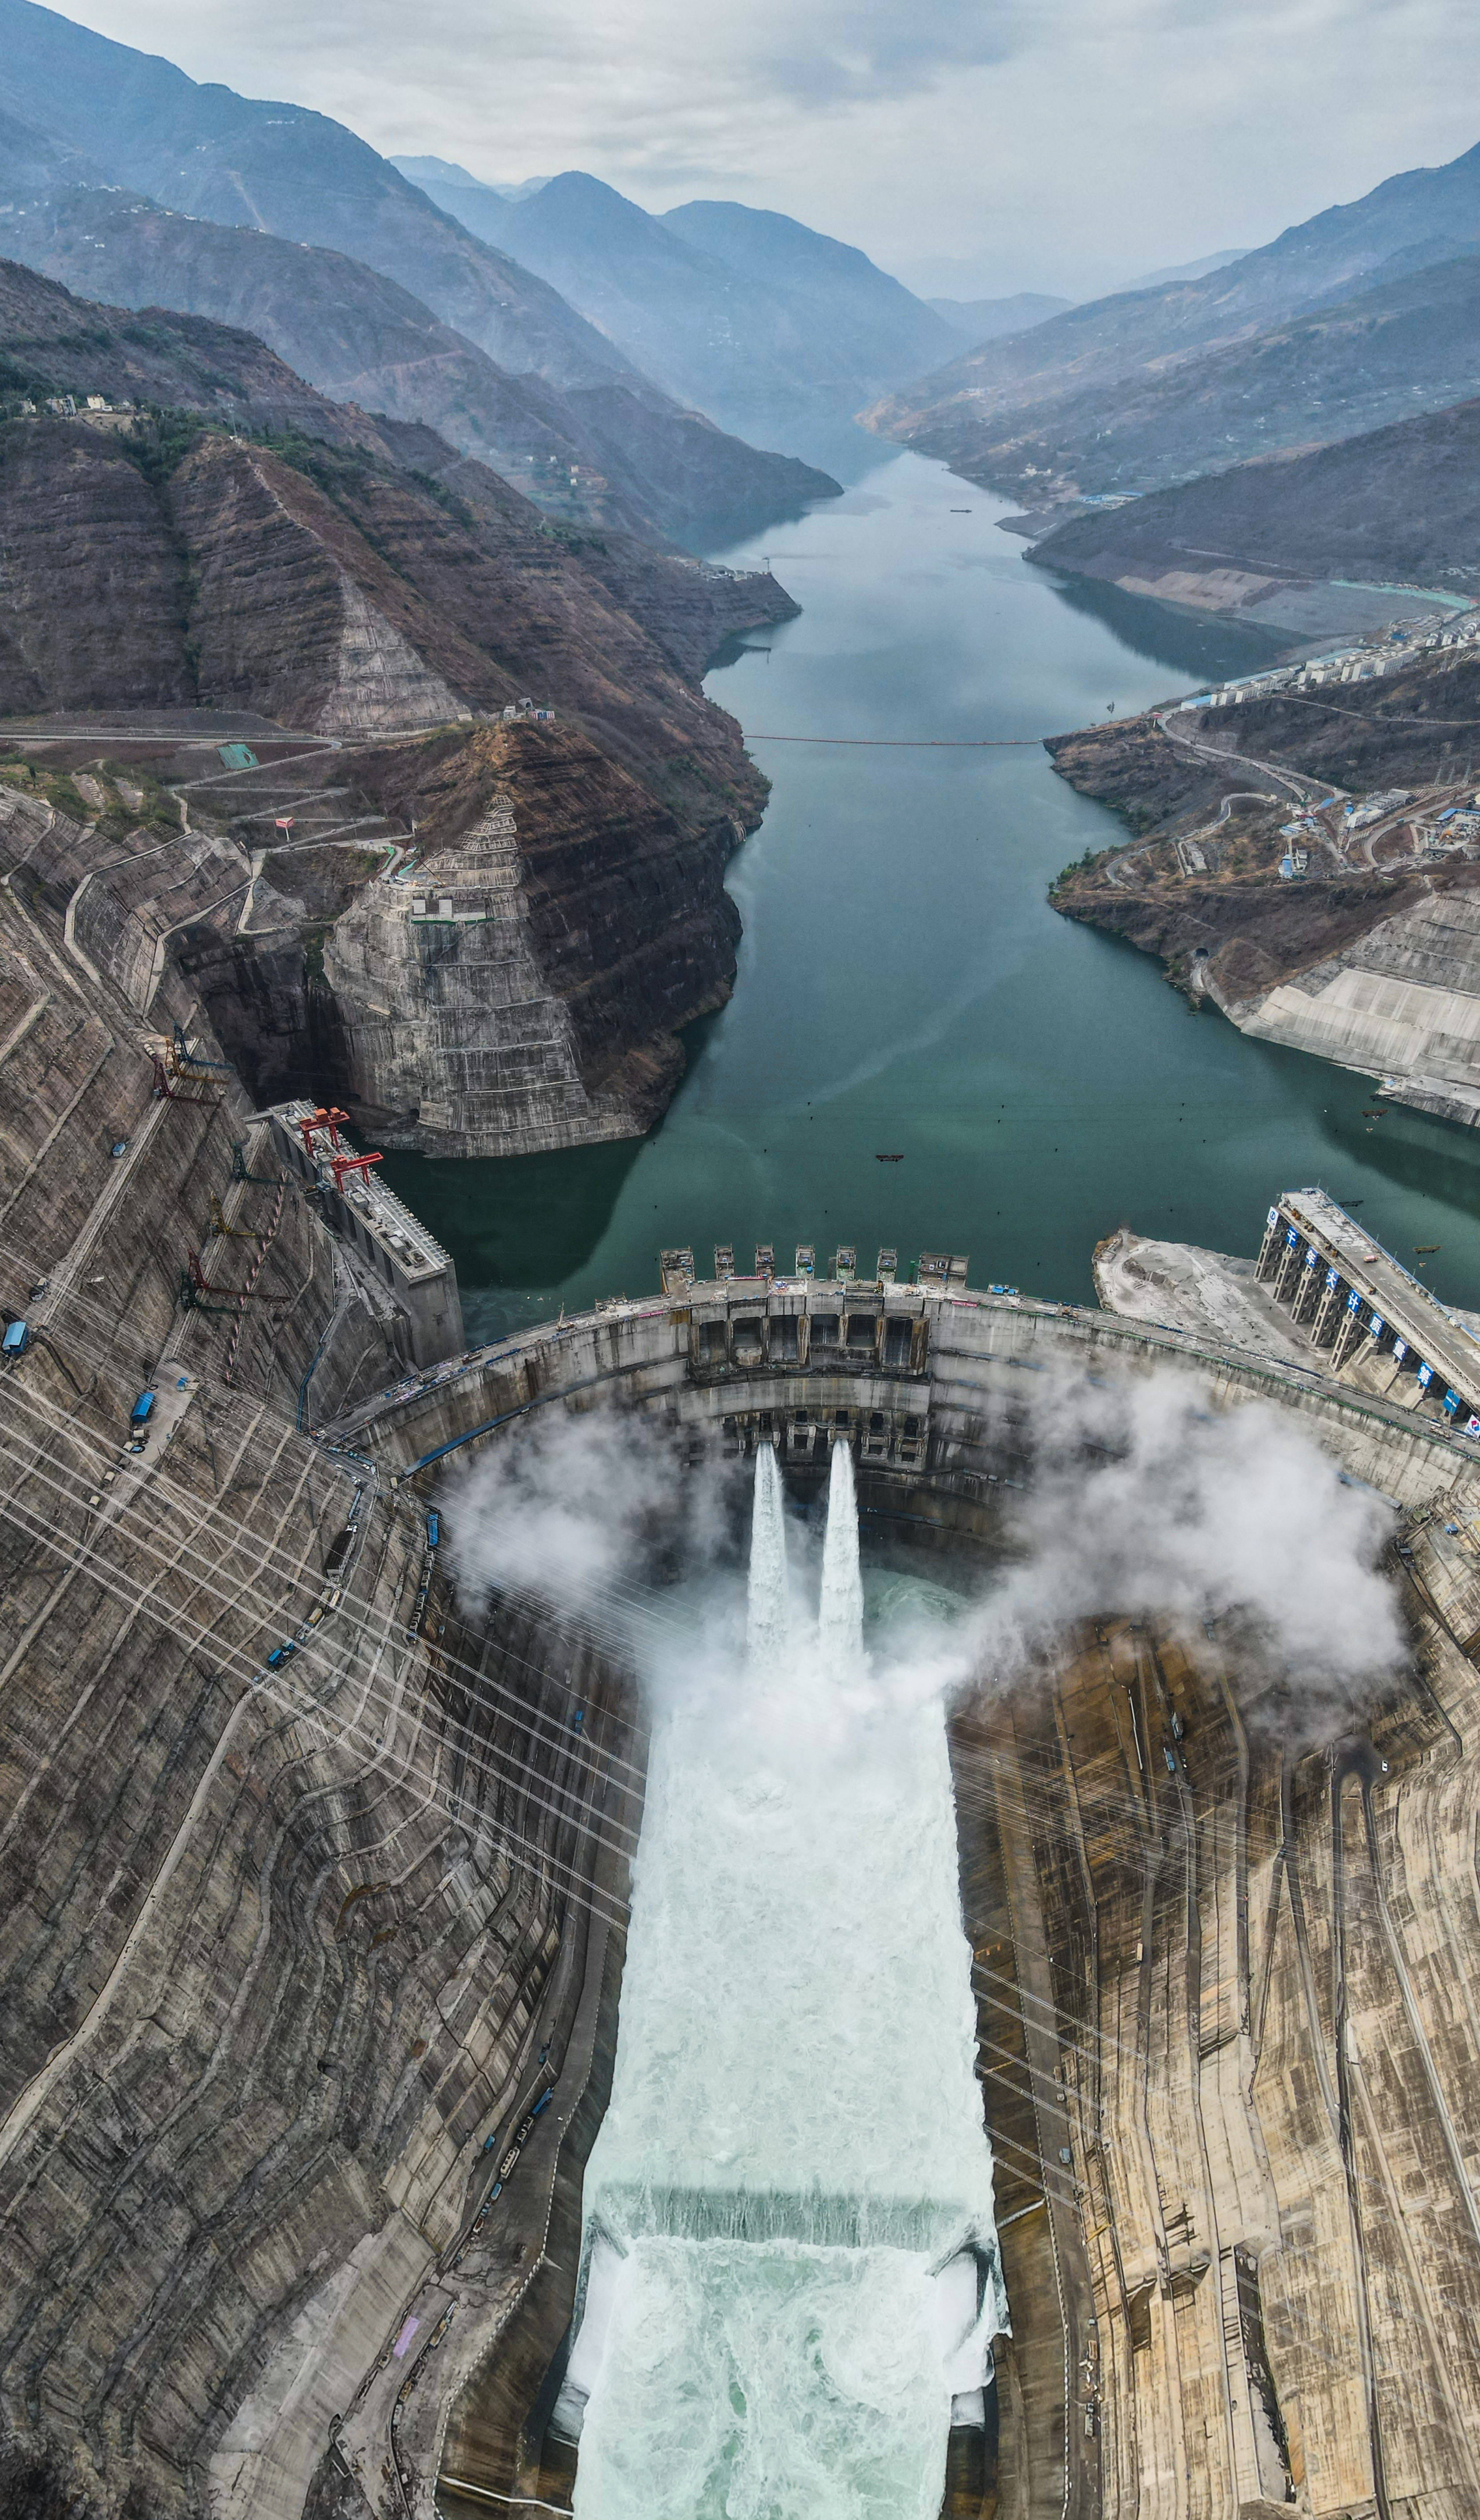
<point>1147,1500</point>
<point>589,1511</point>
<point>1142,1499</point>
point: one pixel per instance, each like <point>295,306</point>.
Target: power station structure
<point>404,1260</point>
<point>1367,1316</point>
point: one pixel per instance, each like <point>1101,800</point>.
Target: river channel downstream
<point>905,990</point>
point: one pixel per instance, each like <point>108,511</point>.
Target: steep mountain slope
<point>360,338</point>
<point>54,344</point>
<point>1423,216</point>
<point>741,310</point>
<point>1408,345</point>
<point>860,321</point>
<point>32,160</point>
<point>1396,503</point>
<point>489,602</point>
<point>295,173</point>
<point>366,583</point>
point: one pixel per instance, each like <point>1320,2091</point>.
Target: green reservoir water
<point>904,989</point>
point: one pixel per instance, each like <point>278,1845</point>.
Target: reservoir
<point>904,989</point>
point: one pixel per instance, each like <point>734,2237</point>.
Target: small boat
<point>888,1159</point>
<point>1429,1246</point>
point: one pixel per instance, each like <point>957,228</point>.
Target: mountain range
<point>1354,363</point>
<point>743,312</point>
<point>125,586</point>
<point>1131,391</point>
<point>407,308</point>
<point>611,452</point>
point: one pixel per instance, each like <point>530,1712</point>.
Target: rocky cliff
<point>522,985</point>
<point>384,589</point>
<point>281,1948</point>
<point>1371,955</point>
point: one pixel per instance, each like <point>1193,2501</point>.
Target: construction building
<point>374,1225</point>
<point>1367,1316</point>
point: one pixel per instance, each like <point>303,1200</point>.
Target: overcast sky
<point>1046,143</point>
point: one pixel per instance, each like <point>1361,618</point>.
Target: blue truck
<point>16,1341</point>
<point>142,1412</point>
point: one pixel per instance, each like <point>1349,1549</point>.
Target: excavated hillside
<point>1368,953</point>
<point>261,559</point>
<point>279,1949</point>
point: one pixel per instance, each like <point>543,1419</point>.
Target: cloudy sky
<point>1052,143</point>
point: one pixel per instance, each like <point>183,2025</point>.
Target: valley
<point>739,1588</point>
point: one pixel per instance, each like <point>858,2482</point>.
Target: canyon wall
<point>279,1945</point>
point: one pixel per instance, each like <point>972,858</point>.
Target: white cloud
<point>1057,143</point>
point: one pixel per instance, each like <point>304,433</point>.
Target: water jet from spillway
<point>840,1612</point>
<point>767,1608</point>
<point>789,2268</point>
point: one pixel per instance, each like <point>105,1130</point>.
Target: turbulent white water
<point>794,2144</point>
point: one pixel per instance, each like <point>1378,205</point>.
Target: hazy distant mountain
<point>859,321</point>
<point>360,338</point>
<point>281,170</point>
<point>1004,389</point>
<point>454,180</point>
<point>992,319</point>
<point>32,160</point>
<point>1188,270</point>
<point>294,174</point>
<point>1348,365</point>
<point>741,311</point>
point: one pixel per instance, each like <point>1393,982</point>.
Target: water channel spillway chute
<point>790,2237</point>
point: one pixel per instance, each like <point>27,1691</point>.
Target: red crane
<point>321,1123</point>
<point>339,1165</point>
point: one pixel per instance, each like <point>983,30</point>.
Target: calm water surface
<point>904,989</point>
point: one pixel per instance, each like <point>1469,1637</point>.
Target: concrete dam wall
<point>1192,1919</point>
<point>306,1953</point>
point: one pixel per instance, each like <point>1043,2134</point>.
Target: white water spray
<point>766,1622</point>
<point>840,1615</point>
<point>789,2270</point>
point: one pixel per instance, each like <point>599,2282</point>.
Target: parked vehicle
<point>16,1341</point>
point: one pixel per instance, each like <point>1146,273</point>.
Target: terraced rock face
<point>96,598</point>
<point>1372,960</point>
<point>401,590</point>
<point>278,1950</point>
<point>522,986</point>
